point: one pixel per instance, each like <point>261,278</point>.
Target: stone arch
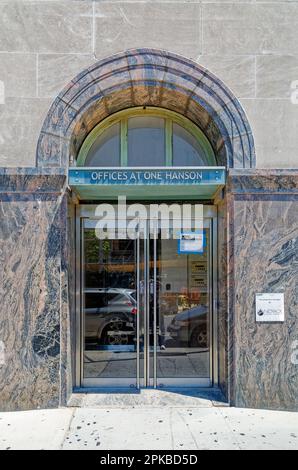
<point>146,77</point>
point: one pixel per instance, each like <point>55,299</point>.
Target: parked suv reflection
<point>190,327</point>
<point>110,316</point>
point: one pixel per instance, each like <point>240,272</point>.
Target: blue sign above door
<point>138,182</point>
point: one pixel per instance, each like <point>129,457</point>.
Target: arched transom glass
<point>146,138</point>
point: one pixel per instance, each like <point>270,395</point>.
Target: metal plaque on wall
<point>270,307</point>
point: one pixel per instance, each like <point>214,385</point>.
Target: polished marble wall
<point>222,297</point>
<point>32,241</point>
<point>67,306</point>
<point>263,257</point>
<point>257,248</point>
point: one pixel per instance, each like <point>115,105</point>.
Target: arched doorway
<point>147,307</point>
<point>147,281</point>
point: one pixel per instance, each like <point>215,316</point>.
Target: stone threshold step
<point>147,398</point>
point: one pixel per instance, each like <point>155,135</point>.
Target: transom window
<point>146,137</point>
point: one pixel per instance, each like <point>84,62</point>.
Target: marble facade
<point>31,250</point>
<point>257,210</point>
<point>263,257</point>
<point>258,235</point>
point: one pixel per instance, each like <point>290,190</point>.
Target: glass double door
<point>145,307</point>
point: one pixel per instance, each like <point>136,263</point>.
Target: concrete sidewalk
<point>161,426</point>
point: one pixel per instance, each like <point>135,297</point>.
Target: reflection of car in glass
<point>110,316</point>
<point>190,326</point>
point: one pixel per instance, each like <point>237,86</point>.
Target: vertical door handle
<point>138,309</point>
<point>155,305</point>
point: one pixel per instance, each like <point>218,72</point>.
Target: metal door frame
<point>87,211</point>
<point>84,212</point>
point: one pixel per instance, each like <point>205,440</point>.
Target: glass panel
<point>187,150</point>
<point>105,150</point>
<point>142,293</point>
<point>113,300</point>
<point>146,141</point>
<point>110,307</point>
<point>183,312</point>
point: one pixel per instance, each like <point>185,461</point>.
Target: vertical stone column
<point>263,257</point>
<point>32,235</point>
<point>222,297</point>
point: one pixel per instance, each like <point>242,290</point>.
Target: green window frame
<point>170,117</point>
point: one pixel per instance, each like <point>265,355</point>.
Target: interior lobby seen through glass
<point>146,138</point>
